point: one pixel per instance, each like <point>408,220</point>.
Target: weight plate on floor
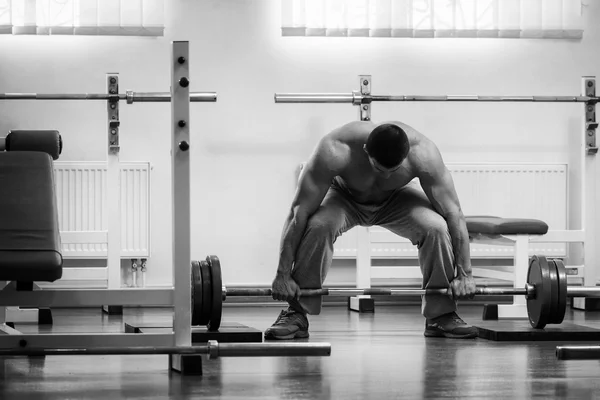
<point>196,293</point>
<point>538,307</point>
<point>206,293</point>
<point>562,292</point>
<point>217,293</point>
<point>553,273</point>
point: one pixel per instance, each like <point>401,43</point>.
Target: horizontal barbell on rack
<point>213,349</point>
<point>358,98</point>
<point>546,292</point>
<point>129,96</point>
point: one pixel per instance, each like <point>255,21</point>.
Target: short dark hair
<point>388,144</point>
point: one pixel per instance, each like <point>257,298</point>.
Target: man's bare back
<point>365,182</point>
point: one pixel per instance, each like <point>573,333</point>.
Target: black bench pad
<point>489,225</point>
<point>29,233</point>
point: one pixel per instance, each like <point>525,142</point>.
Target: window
<point>434,18</point>
<point>82,17</point>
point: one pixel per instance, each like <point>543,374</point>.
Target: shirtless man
<point>360,174</point>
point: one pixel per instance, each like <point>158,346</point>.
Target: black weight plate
<point>217,293</point>
<point>553,273</point>
<point>206,293</point>
<point>196,293</point>
<point>562,292</point>
<point>538,307</point>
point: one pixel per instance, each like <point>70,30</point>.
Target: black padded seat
<point>489,225</point>
<point>29,234</point>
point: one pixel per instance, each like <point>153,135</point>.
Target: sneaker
<point>289,325</point>
<point>450,326</point>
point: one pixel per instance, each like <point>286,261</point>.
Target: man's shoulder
<point>331,155</point>
<point>426,159</point>
<point>345,137</point>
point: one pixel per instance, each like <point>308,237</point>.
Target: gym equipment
<point>578,352</point>
<point>212,348</point>
<point>47,141</point>
<point>546,291</point>
<point>358,98</point>
<point>31,242</point>
<point>130,96</point>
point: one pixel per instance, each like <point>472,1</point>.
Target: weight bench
<point>512,232</point>
<point>30,245</point>
<point>492,230</point>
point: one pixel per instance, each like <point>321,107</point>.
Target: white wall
<point>246,148</point>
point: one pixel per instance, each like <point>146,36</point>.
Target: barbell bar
<point>129,96</point>
<point>213,348</point>
<point>529,290</point>
<point>358,98</point>
<point>546,292</point>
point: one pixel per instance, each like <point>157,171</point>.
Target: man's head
<point>387,146</point>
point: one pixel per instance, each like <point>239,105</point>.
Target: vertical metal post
<point>589,155</point>
<point>113,185</point>
<point>588,181</point>
<point>589,89</point>
<point>363,303</point>
<point>364,112</point>
<point>180,186</point>
<point>518,309</point>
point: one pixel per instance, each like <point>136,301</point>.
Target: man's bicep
<point>310,192</point>
<point>316,177</point>
<point>441,192</point>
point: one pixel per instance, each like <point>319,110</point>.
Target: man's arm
<point>437,183</point>
<point>325,163</point>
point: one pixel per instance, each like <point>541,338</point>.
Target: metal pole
<point>180,193</point>
<point>578,352</point>
<point>250,292</point>
<point>113,187</point>
<point>166,97</point>
<point>97,351</point>
<point>267,350</point>
<point>583,291</point>
<point>351,98</point>
<point>313,98</point>
<point>528,290</point>
<point>130,96</point>
<point>213,349</point>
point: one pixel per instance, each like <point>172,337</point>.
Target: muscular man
<point>360,174</point>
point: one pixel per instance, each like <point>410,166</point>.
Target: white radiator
<point>81,197</point>
<point>503,190</point>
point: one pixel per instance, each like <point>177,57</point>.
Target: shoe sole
<point>450,335</point>
<point>293,335</point>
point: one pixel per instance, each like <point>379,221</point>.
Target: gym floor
<point>374,356</point>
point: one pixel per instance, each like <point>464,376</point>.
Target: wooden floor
<point>374,356</point>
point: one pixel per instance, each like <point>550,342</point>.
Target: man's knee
<point>321,226</point>
<point>438,230</point>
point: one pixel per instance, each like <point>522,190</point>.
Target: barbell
<point>130,96</point>
<point>213,349</point>
<point>546,292</point>
<point>357,98</point>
